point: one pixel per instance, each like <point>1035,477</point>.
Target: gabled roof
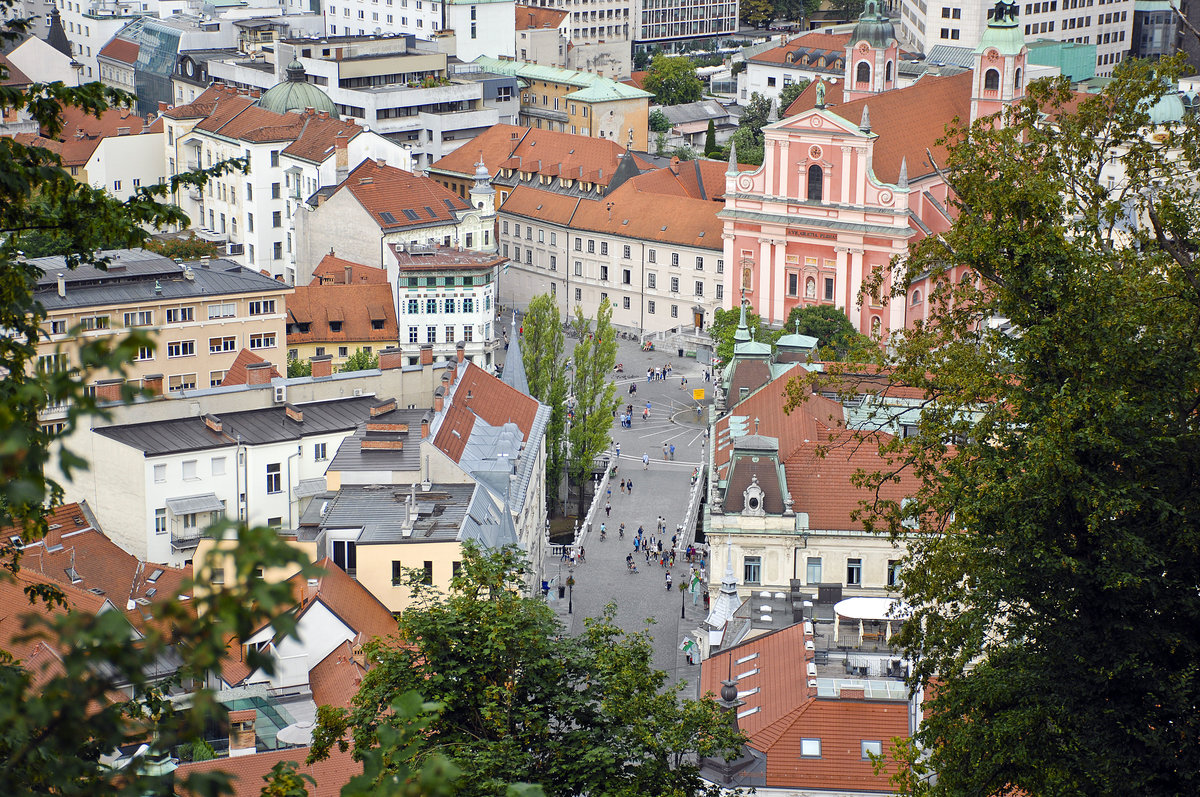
<point>536,18</point>
<point>398,200</point>
<point>815,45</point>
<point>315,143</point>
<point>236,375</point>
<point>774,664</point>
<point>15,608</point>
<point>12,75</point>
<point>490,399</point>
<point>247,772</point>
<point>695,179</point>
<point>218,100</point>
<point>332,269</point>
<point>345,597</point>
<point>121,50</point>
<point>336,679</point>
<point>529,149</point>
<point>358,308</point>
<point>514,367</point>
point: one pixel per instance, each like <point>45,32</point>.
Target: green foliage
<point>518,700</point>
<point>543,350</point>
<point>756,13</point>
<point>659,122</point>
<point>756,116</point>
<point>684,153</point>
<point>710,139</point>
<point>297,368</point>
<point>660,144</point>
<point>672,80</point>
<point>725,324</point>
<point>788,96</point>
<point>198,750</point>
<point>359,361</point>
<point>847,9</point>
<point>794,10</point>
<point>1055,594</point>
<point>284,781</point>
<point>749,149</point>
<point>641,60</point>
<point>594,358</point>
<point>838,338</point>
<point>190,248</point>
<point>737,68</point>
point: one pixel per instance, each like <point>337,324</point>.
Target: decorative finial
<point>733,164</point>
<point>903,181</point>
<point>865,124</point>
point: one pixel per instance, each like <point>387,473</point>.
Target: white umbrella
<point>837,621</point>
<point>860,631</point>
<point>888,633</point>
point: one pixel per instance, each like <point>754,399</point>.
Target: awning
<point>307,488</point>
<point>205,502</point>
<point>871,609</point>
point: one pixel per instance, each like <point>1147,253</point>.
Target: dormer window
<point>335,326</point>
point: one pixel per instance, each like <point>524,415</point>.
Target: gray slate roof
<point>514,367</point>
<point>381,512</point>
<point>135,275</point>
<point>351,457</point>
<point>254,427</point>
<point>700,111</point>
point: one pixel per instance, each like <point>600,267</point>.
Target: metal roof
<point>251,427</point>
<point>135,275</point>
<point>381,512</point>
<point>350,455</point>
<point>205,502</point>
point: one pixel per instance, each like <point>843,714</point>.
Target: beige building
<point>199,315</point>
<point>572,101</point>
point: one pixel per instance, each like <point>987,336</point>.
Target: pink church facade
<point>847,185</point>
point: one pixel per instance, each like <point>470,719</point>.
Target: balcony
<point>185,539</point>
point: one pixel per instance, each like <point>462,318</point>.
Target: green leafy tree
<point>838,338</point>
<point>359,361</point>
<point>190,248</point>
<point>788,96</point>
<point>543,351</point>
<point>659,122</point>
<point>756,13</point>
<point>595,395</point>
<point>297,368</point>
<point>755,117</point>
<point>1054,591</point>
<point>710,139</point>
<point>749,149</point>
<point>847,9</point>
<point>684,153</point>
<point>791,10</point>
<point>725,324</point>
<point>672,80</point>
<point>518,700</point>
<point>641,60</point>
<point>660,144</point>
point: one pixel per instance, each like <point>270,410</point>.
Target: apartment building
<point>652,246</point>
<point>291,155</point>
<point>471,27</point>
<point>410,91</point>
<point>340,319</point>
<point>570,101</point>
<point>1108,25</point>
<point>116,61</point>
<point>664,23</point>
<point>198,314</point>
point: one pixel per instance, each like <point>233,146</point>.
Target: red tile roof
<point>332,269</point>
<point>82,133</point>
<point>337,678</point>
<point>383,189</point>
<point>315,143</point>
<point>345,597</point>
<point>479,394</point>
<point>524,148</point>
<point>13,76</point>
<point>16,608</point>
<point>247,772</point>
<point>807,99</point>
<point>236,375</point>
<point>831,46</point>
<point>637,79</point>
<point>121,50</point>
<point>535,17</point>
<point>217,100</point>
<point>695,179</point>
<point>357,307</point>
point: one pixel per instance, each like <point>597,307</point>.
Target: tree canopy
<point>725,324</point>
<point>595,394</point>
<point>518,700</point>
<point>672,80</point>
<point>543,351</point>
<point>359,361</point>
<point>836,336</point>
<point>658,122</point>
<point>788,95</point>
<point>1054,589</point>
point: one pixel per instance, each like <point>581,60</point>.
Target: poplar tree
<point>543,353</point>
<point>595,394</point>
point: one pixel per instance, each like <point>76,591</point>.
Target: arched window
<point>887,75</point>
<point>1017,80</point>
<point>862,74</point>
<point>991,80</point>
<point>816,179</point>
<point>916,297</point>
<point>810,288</point>
<point>876,325</point>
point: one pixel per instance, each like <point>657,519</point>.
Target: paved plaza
<point>662,488</point>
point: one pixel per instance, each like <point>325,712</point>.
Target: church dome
<point>1169,108</point>
<point>295,94</point>
<point>874,26</point>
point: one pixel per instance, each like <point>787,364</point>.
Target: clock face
<point>863,47</point>
<point>814,152</point>
<point>993,55</point>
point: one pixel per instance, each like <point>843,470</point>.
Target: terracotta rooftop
<point>350,601</point>
<point>236,375</point>
<point>332,269</point>
<point>814,44</point>
<point>479,394</point>
<point>361,311</point>
<point>443,257</point>
<point>807,99</point>
<point>397,199</point>
<point>121,50</point>
<point>217,100</point>
<point>695,179</point>
<point>535,17</point>
<point>13,76</point>
<point>337,678</point>
<point>246,772</point>
<point>15,608</point>
<point>530,149</point>
<point>315,143</point>
<point>637,79</point>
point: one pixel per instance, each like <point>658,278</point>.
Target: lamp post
<point>570,593</point>
<point>682,600</point>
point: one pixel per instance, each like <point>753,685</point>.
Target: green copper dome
<point>874,26</point>
<point>296,94</point>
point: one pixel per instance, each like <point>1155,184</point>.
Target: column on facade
<point>847,152</point>
<point>785,169</point>
<point>841,297</point>
<point>731,279</point>
<point>856,283</point>
<point>764,278</point>
<point>778,286</point>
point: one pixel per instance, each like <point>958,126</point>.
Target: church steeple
<point>999,77</point>
<point>872,54</point>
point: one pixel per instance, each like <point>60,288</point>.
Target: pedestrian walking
<point>622,486</point>
<point>582,554</point>
<point>629,486</point>
<point>664,451</point>
<point>618,450</point>
<point>660,546</point>
<point>645,461</point>
<point>647,551</point>
<point>649,375</point>
<point>608,507</point>
<point>672,451</point>
<point>610,492</point>
<point>668,582</point>
<point>645,415</point>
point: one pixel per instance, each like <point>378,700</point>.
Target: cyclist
<point>603,533</point>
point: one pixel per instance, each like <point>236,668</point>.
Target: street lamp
<point>570,593</point>
<point>682,599</point>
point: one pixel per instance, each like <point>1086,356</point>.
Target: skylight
<point>388,217</point>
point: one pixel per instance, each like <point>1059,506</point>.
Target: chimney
<point>322,366</point>
<point>341,157</point>
<point>424,426</point>
<point>62,286</point>
<point>382,406</point>
<point>212,421</point>
<point>294,412</point>
<point>349,274</point>
<point>438,399</point>
<point>241,732</point>
<point>53,540</point>
<point>426,354</point>
<point>109,390</point>
<point>258,373</point>
<point>391,358</point>
<point>162,106</point>
<point>460,351</point>
<point>153,383</point>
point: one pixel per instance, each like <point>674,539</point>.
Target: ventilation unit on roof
<point>281,394</point>
<point>95,590</point>
<point>142,602</point>
<point>812,683</point>
<point>812,670</point>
